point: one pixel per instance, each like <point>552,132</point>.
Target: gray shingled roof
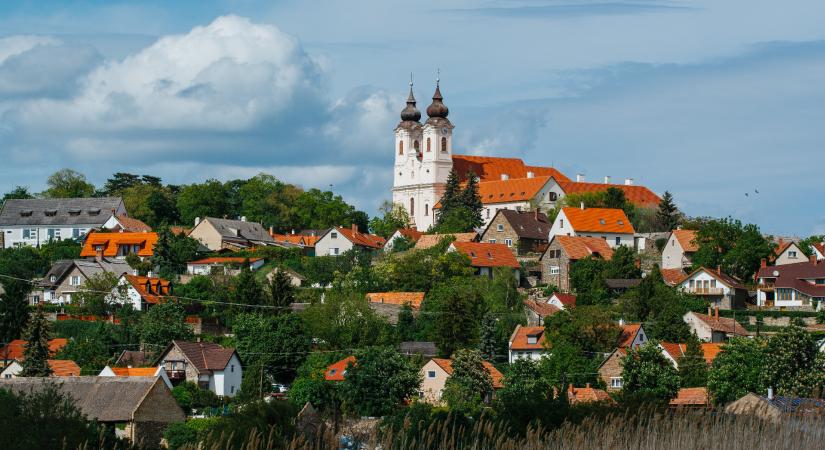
<point>528,224</point>
<point>240,230</point>
<point>66,211</point>
<point>89,268</point>
<point>107,399</point>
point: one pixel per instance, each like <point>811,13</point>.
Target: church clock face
<point>445,130</point>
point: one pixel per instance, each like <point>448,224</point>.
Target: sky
<point>722,103</point>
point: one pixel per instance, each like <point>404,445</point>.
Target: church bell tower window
<point>444,144</point>
<point>428,144</point>
<point>400,147</point>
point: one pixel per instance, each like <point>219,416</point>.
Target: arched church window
<point>400,147</point>
<point>412,206</point>
<point>426,209</point>
<point>428,144</point>
<point>443,144</point>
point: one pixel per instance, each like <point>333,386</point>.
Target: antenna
<point>437,76</point>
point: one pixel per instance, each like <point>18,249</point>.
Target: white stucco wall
<point>707,281</point>
<point>525,354</point>
<point>333,239</point>
<point>672,254</point>
<point>562,227</point>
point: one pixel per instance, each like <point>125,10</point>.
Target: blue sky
<point>707,99</point>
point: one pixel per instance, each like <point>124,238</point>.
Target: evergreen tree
<point>470,200</point>
<point>647,372</point>
<point>668,215</point>
<point>406,326</point>
<point>36,355</point>
<point>452,191</point>
<point>162,254</point>
<point>693,370</point>
<point>281,292</point>
<point>245,288</point>
<point>487,344</point>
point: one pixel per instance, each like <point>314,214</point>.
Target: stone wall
<point>611,368</point>
<point>563,262</point>
<point>501,236</point>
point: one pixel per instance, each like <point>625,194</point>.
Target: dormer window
<point>53,279</point>
<point>26,213</point>
<point>74,212</point>
<point>532,339</point>
<point>50,212</point>
<point>94,212</point>
<point>601,221</point>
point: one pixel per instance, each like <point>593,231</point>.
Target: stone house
<point>522,231</point>
<point>66,277</point>
<point>564,251</point>
<point>208,365</point>
<point>138,408</point>
<point>679,249</point>
<point>610,371</point>
<point>537,310</point>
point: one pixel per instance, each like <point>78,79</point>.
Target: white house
<point>60,368</point>
<point>721,290</point>
<point>609,224</point>
<point>562,301</point>
<point>222,265</point>
<point>338,240</point>
<point>36,221</point>
<point>139,291</point>
<point>435,373</point>
<point>136,372</point>
<point>526,343</point>
<point>207,364</point>
<point>679,249</point>
<point>788,253</point>
<point>792,285</point>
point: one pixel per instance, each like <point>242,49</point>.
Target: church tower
<point>423,158</point>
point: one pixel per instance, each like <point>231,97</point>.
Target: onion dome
<point>437,108</point>
<point>410,112</point>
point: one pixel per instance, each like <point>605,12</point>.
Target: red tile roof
<point>598,220</point>
<point>205,356</point>
<point>579,247</point>
<point>540,308</point>
<point>586,394</point>
<point>337,370</point>
<point>224,260</point>
<point>512,190</point>
<point>484,254</point>
<point>362,239</point>
<point>677,350</point>
<point>150,289</point>
<point>410,233</point>
<point>131,224</point>
<point>722,324</point>
<point>489,168</point>
<point>720,276</point>
<point>687,240</point>
<point>568,300</point>
<point>64,368</point>
<point>447,365</point>
<point>397,298</point>
<point>14,349</point>
<point>431,240</point>
<point>793,276</point>
<point>629,333</point>
<point>519,339</point>
<point>672,277</point>
<point>134,371</point>
<point>695,396</point>
<point>295,239</point>
<point>820,247</point>
<point>638,195</point>
<point>111,241</point>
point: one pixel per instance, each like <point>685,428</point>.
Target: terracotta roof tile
<point>672,277</point>
<point>15,349</point>
<point>362,239</point>
<point>568,300</point>
<point>695,396</point>
<point>677,350</point>
<point>687,240</point>
<point>629,333</point>
<point>579,247</point>
<point>794,276</point>
<point>483,254</point>
<point>447,365</point>
<point>598,220</point>
<point>820,247</point>
<point>110,243</point>
<point>337,370</point>
<point>540,308</point>
<point>150,289</point>
<point>722,324</point>
<point>205,356</point>
<point>410,233</point>
<point>489,168</point>
<point>295,239</point>
<point>397,298</point>
<point>512,190</point>
<point>519,340</point>
<point>720,276</point>
<point>130,224</point>
<point>134,371</point>
<point>431,240</point>
<point>638,195</point>
<point>587,394</point>
<point>64,368</point>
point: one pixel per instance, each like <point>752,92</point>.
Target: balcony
<point>706,290</point>
<point>765,286</point>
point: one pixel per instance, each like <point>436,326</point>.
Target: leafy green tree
<point>660,307</point>
<point>406,326</point>
<point>470,200</point>
<point>737,370</point>
<point>279,344</point>
<point>791,363</point>
<point>280,289</point>
<point>119,182</point>
<point>737,248</point>
<point>614,198</point>
<point>470,385</point>
<point>18,265</point>
<point>162,324</point>
<point>693,368</point>
<point>36,355</point>
<point>420,270</point>
<point>206,199</point>
<point>622,265</point>
<point>587,281</point>
<point>99,292</point>
<point>379,382</point>
<point>56,250</point>
<point>152,204</point>
<point>345,320</point>
<point>646,371</point>
<point>806,245</point>
<point>90,351</point>
<point>310,385</point>
<point>316,209</point>
<point>455,311</point>
<point>567,363</point>
<point>525,395</point>
<point>667,216</point>
<point>245,287</point>
<point>393,217</point>
<point>19,192</point>
<point>140,265</point>
<point>67,183</point>
<point>191,396</point>
<point>172,252</point>
<point>488,345</point>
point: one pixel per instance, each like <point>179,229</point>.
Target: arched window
<point>400,147</point>
<point>416,146</point>
<point>426,209</point>
<point>412,206</point>
<point>443,144</point>
<point>428,144</point>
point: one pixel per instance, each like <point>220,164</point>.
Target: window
<point>74,280</point>
<point>509,242</point>
<point>552,196</point>
<point>487,212</point>
<point>333,251</point>
<point>618,240</point>
<point>412,206</point>
<point>431,374</point>
<point>792,254</point>
<point>400,147</point>
<point>492,241</point>
<point>426,209</point>
<point>616,382</point>
<point>500,227</point>
<point>53,233</point>
<point>673,243</point>
<point>444,144</point>
<point>532,339</point>
<point>561,223</point>
<point>334,235</point>
<point>428,144</point>
<point>53,278</point>
<point>232,389</point>
<point>416,146</point>
<point>75,233</point>
<point>232,368</point>
<point>30,233</point>
<point>7,376</point>
<point>554,270</point>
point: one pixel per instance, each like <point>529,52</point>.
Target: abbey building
<point>424,158</point>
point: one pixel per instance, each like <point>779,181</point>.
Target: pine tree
<point>452,191</point>
<point>281,291</point>
<point>246,288</point>
<point>693,370</point>
<point>470,200</point>
<point>162,254</point>
<point>36,355</point>
<point>668,215</point>
<point>487,344</point>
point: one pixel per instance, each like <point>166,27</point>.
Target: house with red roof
<point>486,257</point>
<point>522,231</point>
<point>718,288</point>
<point>526,343</point>
<point>693,398</point>
<point>537,310</point>
<point>156,371</point>
<point>60,368</point>
<point>674,351</point>
<point>798,285</point>
<point>679,249</point>
<point>222,265</point>
<point>787,252</point>
<point>206,364</point>
<point>672,277</point>
<point>124,223</point>
<point>712,328</point>
<point>563,251</point>
<point>101,245</point>
<point>632,336</point>
<point>587,394</point>
<point>338,240</point>
<point>562,301</point>
<point>337,371</point>
<point>609,224</point>
<point>436,372</point>
<point>140,291</point>
<point>410,234</point>
<point>14,350</point>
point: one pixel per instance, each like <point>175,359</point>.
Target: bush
<point>179,434</point>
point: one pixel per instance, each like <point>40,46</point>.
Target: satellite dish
<point>776,273</point>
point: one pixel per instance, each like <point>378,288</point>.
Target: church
<point>424,158</point>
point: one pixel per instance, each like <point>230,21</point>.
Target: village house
<point>563,251</point>
<point>788,252</point>
<point>691,398</point>
<point>562,301</point>
<point>522,231</point>
<point>390,304</point>
<point>118,245</point>
<point>66,277</point>
<point>632,336</point>
<point>818,250</point>
<point>431,240</point>
<point>337,371</point>
<point>609,224</point>
<point>60,368</point>
<point>718,288</point>
<point>791,285</point>
<point>140,291</point>
<point>14,350</point>
<point>675,351</point>
<point>537,310</point>
<point>436,372</point>
<point>526,343</point>
<point>36,221</point>
<point>226,234</point>
<point>410,234</point>
<point>206,364</point>
<point>136,408</point>
<point>712,328</point>
<point>295,278</point>
<point>126,224</point>
<point>338,240</point>
<point>306,242</point>
<point>672,277</point>
<point>679,249</point>
<point>220,265</point>
<point>777,409</point>
<point>587,394</point>
<point>485,258</point>
<point>156,371</point>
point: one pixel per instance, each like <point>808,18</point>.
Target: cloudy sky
<point>708,99</point>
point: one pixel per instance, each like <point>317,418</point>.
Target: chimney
<point>531,175</point>
<point>621,322</point>
<point>607,179</point>
<point>536,214</point>
<point>813,259</point>
<point>718,269</point>
<point>770,393</point>
<point>716,312</point>
<point>354,228</point>
<point>505,177</point>
<point>579,177</point>
<point>763,263</point>
<point>197,221</point>
<point>293,231</point>
<point>570,388</point>
<point>710,311</point>
<point>271,230</point>
<point>587,385</point>
<point>628,181</point>
<point>243,218</point>
<point>581,205</point>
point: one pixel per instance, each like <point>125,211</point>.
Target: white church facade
<point>424,158</point>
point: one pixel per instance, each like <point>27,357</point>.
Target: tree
<point>614,198</point>
<point>55,250</point>
<point>459,308</point>
<point>280,289</point>
<point>622,265</point>
<point>202,200</point>
<point>172,252</point>
<point>526,394</point>
<point>98,293</point>
<point>345,320</point>
<point>277,345</point>
<point>791,365</point>
<point>162,324</point>
<point>36,354</point>
<point>460,208</point>
<point>660,307</point>
<point>406,326</point>
<point>693,369</point>
<point>245,287</point>
<point>470,385</point>
<point>119,182</point>
<point>91,350</point>
<point>379,381</point>
<point>729,244</point>
<point>587,281</point>
<point>470,200</point>
<point>488,347</point>
<point>806,245</point>
<point>19,265</point>
<point>737,370</point>
<point>667,216</point>
<point>646,372</point>
<point>393,217</point>
<point>19,192</point>
<point>310,385</point>
<point>66,183</point>
<point>152,204</point>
